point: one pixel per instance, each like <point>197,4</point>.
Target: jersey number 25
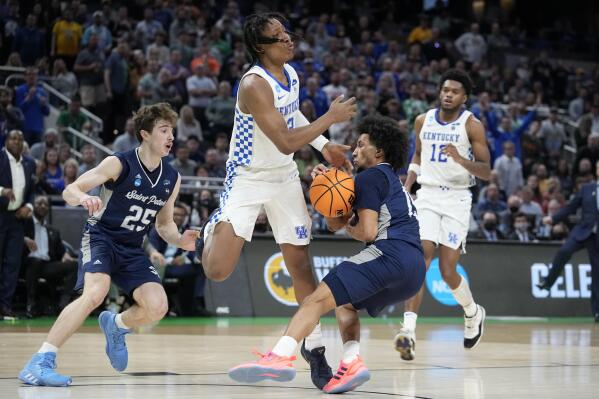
<point>131,222</point>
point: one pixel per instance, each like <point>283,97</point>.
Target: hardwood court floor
<point>189,358</point>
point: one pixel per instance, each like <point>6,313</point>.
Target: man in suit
<point>16,194</point>
<point>583,235</point>
<point>520,229</point>
<point>47,257</point>
<point>488,229</point>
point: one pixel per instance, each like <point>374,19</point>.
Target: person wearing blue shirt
<point>504,132</point>
<point>32,99</point>
<point>30,42</point>
<point>388,270</point>
<point>315,94</point>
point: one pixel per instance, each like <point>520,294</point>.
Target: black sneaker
<point>200,241</point>
<point>320,372</point>
<point>474,328</point>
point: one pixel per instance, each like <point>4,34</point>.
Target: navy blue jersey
<point>130,203</point>
<point>379,189</point>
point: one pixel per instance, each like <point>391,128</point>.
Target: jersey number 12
<point>441,157</point>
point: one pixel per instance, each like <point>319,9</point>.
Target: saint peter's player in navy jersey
<point>138,189</point>
<point>389,270</point>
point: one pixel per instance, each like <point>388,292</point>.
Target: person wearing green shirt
<point>72,117</point>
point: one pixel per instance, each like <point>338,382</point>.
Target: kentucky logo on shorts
<point>453,238</point>
<point>301,232</point>
<point>278,280</point>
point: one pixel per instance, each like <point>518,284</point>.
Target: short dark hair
<point>459,76</point>
<point>223,135</point>
<point>520,215</point>
<point>179,204</point>
<point>385,134</point>
<point>252,32</point>
<point>146,117</point>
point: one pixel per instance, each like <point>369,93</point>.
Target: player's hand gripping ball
<point>332,193</point>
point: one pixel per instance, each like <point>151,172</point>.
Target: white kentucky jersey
<point>250,147</point>
<point>437,168</point>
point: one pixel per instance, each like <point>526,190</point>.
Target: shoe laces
<point>321,362</point>
<point>269,355</point>
<point>47,362</point>
<point>117,338</point>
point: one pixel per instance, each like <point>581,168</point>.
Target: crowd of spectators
<point>541,113</point>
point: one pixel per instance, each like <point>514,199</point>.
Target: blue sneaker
<point>116,348</point>
<point>40,371</point>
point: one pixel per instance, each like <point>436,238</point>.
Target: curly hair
<point>146,117</point>
<point>458,76</point>
<point>384,134</point>
<point>252,32</point>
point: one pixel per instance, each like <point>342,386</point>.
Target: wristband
<point>414,167</point>
<point>319,142</point>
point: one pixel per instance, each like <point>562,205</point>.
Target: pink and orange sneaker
<point>349,376</point>
<point>268,367</point>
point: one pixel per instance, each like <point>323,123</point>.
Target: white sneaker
<point>405,343</point>
<point>474,328</point>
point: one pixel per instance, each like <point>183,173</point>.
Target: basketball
<point>332,194</point>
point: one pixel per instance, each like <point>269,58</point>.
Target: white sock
<point>46,347</point>
<point>314,340</point>
<point>119,322</point>
<point>351,350</point>
<point>463,295</point>
<point>285,347</point>
<point>409,320</point>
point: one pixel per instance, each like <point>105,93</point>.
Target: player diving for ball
<point>390,269</point>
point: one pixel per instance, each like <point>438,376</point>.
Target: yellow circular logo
<point>278,280</point>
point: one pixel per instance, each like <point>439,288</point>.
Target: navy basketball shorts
<point>128,267</point>
<point>383,273</point>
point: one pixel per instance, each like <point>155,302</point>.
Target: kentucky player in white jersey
<point>451,150</point>
<point>268,129</point>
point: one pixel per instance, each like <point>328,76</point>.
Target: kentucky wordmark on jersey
<point>436,168</point>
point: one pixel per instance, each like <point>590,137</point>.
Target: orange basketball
<point>332,194</point>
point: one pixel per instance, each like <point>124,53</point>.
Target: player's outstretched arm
<point>414,167</point>
<point>255,97</point>
<point>333,153</point>
<point>75,193</point>
<point>481,166</point>
<point>366,227</point>
<point>166,227</point>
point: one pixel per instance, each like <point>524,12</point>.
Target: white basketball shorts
<point>444,215</point>
<point>277,190</point>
